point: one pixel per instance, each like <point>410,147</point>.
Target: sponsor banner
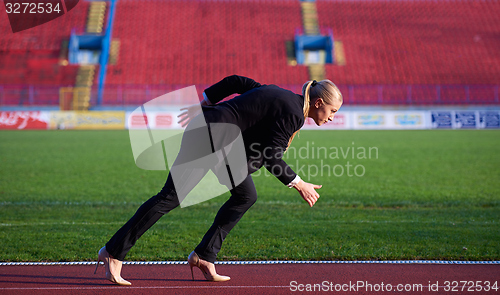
<point>408,120</point>
<point>370,120</point>
<point>466,120</point>
<point>340,121</point>
<point>24,120</point>
<point>442,120</point>
<point>169,119</point>
<point>351,120</point>
<point>154,119</point>
<point>87,120</point>
<point>391,120</point>
<point>489,119</point>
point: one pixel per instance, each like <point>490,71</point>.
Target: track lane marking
<point>143,287</point>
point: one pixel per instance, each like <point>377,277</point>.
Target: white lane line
<point>58,223</point>
<point>167,287</point>
<point>258,262</point>
<point>144,287</point>
<point>333,221</point>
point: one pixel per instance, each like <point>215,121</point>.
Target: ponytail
<point>306,91</point>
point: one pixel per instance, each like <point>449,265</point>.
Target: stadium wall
<point>167,119</point>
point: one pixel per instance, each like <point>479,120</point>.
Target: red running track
<point>255,279</point>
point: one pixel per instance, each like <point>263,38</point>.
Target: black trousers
<point>242,198</point>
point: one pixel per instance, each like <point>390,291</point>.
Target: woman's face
<point>321,113</point>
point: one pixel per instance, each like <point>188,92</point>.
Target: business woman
<point>268,118</point>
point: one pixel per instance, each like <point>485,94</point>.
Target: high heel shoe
<point>113,276</point>
<point>207,268</point>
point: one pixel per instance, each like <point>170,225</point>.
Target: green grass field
<point>432,194</point>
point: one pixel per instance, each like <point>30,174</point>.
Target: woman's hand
<point>308,191</point>
<point>188,114</point>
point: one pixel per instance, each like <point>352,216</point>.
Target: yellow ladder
<point>310,18</point>
<point>84,81</point>
<point>95,19</point>
<point>316,72</point>
<point>114,51</point>
<point>73,98</point>
<point>311,27</point>
<point>339,53</point>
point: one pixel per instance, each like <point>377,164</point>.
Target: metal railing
<point>129,95</point>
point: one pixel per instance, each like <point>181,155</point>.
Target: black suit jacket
<point>267,116</point>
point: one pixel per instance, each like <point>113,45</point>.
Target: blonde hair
<point>324,89</point>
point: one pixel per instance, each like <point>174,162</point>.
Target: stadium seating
<point>200,42</point>
<point>415,42</point>
<point>32,56</point>
<point>396,52</point>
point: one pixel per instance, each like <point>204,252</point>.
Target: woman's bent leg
<point>242,198</point>
<point>147,215</point>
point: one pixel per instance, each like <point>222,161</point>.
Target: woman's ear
<point>319,102</point>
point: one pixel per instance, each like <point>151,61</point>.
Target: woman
<point>268,118</point>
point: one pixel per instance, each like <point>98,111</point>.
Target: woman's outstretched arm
<point>230,85</point>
